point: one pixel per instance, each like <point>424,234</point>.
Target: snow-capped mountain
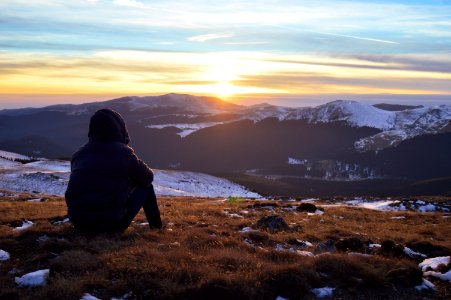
<point>395,126</point>
<point>340,140</point>
<point>190,113</point>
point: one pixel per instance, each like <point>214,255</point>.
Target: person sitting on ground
<point>108,183</point>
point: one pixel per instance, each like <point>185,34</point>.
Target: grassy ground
<point>202,255</point>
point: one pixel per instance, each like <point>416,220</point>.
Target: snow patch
<point>33,279</point>
<point>426,285</point>
<point>183,183</point>
<point>445,277</point>
<point>295,161</point>
<point>305,253</point>
<point>13,156</point>
<point>317,212</point>
<point>376,205</point>
<point>433,263</point>
<point>4,255</point>
<point>247,229</point>
<point>186,129</point>
<point>88,296</point>
<point>409,252</point>
<point>427,208</point>
<point>35,200</point>
<point>25,225</point>
<point>323,292</point>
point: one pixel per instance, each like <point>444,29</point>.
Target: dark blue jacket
<point>103,172</point>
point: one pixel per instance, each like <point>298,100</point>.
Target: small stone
<point>389,247</point>
<point>272,223</point>
<point>328,246</point>
<point>349,244</point>
<point>307,207</point>
<point>409,276</point>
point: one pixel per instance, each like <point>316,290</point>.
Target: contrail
<point>358,38</point>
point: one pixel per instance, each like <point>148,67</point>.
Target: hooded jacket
<point>103,172</point>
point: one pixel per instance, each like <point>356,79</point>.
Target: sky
<point>292,53</point>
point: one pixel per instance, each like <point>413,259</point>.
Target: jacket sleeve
<point>140,173</point>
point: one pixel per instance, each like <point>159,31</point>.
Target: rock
<point>299,243</point>
<point>389,247</point>
<point>272,223</point>
<point>429,249</point>
<point>307,207</point>
<point>349,244</point>
<point>327,246</point>
<point>407,276</point>
<point>258,237</point>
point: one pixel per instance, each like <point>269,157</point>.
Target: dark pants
<point>140,197</point>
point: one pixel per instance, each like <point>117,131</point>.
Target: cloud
<point>211,36</point>
<point>246,43</point>
<point>359,38</point>
<point>375,62</point>
<point>130,3</point>
<point>330,83</point>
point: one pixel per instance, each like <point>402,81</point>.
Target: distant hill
<point>343,141</point>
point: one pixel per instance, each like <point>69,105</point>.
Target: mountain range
<point>344,145</point>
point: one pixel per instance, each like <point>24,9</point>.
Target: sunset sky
<point>284,52</point>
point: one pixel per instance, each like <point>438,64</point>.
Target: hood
<point>108,125</point>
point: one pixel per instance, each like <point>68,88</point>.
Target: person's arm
<point>140,173</point>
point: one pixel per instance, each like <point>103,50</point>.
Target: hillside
<point>340,141</point>
<point>21,173</point>
<point>217,248</point>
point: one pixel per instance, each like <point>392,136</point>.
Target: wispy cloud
<point>210,36</point>
<point>130,3</point>
<point>198,46</point>
<point>358,38</point>
<point>246,43</point>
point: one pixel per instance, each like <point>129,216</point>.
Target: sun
<point>223,89</point>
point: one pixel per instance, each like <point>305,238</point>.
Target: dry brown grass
<point>201,254</point>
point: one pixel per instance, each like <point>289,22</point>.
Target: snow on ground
<point>4,255</point>
<point>309,200</point>
<point>183,183</point>
<point>430,265</point>
<point>412,253</point>
<point>426,285</point>
<point>317,212</point>
<point>12,156</point>
<point>186,129</point>
<point>353,112</point>
<point>294,161</point>
<point>305,253</point>
<point>33,279</point>
<point>433,263</point>
<point>51,165</point>
<point>247,229</point>
<point>396,205</point>
<point>88,296</point>
<point>25,225</point>
<point>51,177</point>
<point>445,277</point>
<point>323,292</point>
<point>376,205</point>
